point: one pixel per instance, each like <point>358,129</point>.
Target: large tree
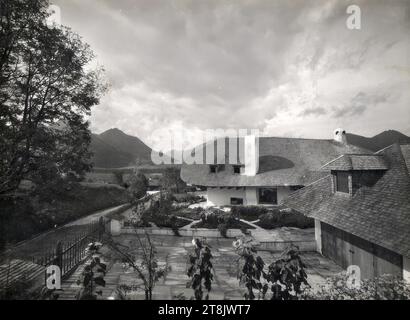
<point>47,89</point>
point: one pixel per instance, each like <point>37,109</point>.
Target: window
<point>237,169</point>
<point>236,201</point>
<point>212,169</point>
<point>268,196</point>
<point>342,181</point>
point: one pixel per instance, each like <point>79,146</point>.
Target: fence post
<point>58,259</point>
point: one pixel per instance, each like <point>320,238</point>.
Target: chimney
<point>339,135</point>
<point>251,153</point>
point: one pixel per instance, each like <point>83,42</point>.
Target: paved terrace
<point>174,251</point>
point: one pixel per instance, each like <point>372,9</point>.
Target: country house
<point>279,167</point>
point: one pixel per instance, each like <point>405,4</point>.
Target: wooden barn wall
<point>346,249</point>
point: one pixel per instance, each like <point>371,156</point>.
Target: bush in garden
<point>386,287</point>
<point>191,213</point>
<point>284,279</point>
<point>249,213</point>
<point>216,218</point>
<point>187,198</point>
<point>164,204</point>
<point>200,270</point>
<point>251,269</point>
<point>92,277</point>
<point>281,218</point>
<point>287,276</point>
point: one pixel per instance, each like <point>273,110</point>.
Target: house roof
<point>349,162</point>
<point>282,162</point>
<point>379,214</point>
<point>405,150</point>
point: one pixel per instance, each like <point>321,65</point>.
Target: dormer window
<point>350,172</point>
<point>342,181</point>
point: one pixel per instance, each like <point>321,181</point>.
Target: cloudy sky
<point>288,68</point>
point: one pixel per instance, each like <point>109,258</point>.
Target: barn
<point>362,211</point>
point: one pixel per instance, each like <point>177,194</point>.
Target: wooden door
<point>346,249</point>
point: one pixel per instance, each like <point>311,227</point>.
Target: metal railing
<point>67,255</point>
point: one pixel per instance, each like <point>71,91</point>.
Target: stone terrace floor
<point>174,251</point>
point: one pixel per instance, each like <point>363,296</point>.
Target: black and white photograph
<point>207,154</point>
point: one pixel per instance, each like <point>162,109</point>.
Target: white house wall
<point>251,196</point>
<point>222,196</point>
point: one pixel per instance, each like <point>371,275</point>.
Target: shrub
<point>194,213</point>
<point>285,278</point>
<point>281,218</point>
<point>200,270</point>
<point>249,213</point>
<point>386,287</point>
<point>92,277</point>
<point>221,220</point>
<point>187,198</point>
<point>212,217</point>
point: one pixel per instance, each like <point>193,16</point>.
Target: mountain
<point>379,141</point>
<point>115,149</point>
<point>126,143</point>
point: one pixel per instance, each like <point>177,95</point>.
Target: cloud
<point>318,111</point>
<point>246,64</point>
<point>359,104</point>
<point>349,111</point>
